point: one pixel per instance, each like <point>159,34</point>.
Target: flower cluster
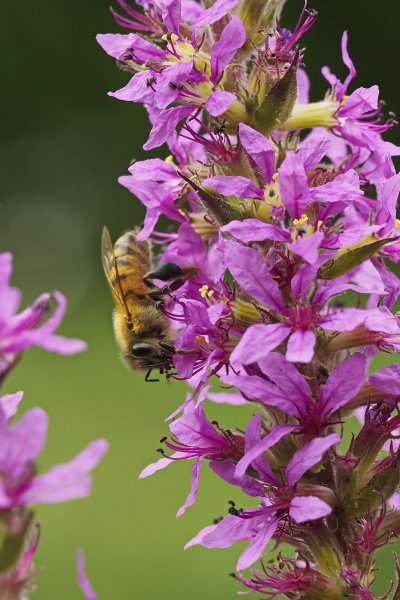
<point>22,440</point>
<point>286,215</point>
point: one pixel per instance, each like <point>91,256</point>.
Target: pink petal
<point>387,380</point>
<point>160,464</point>
<point>115,44</point>
<point>293,185</point>
<point>308,508</point>
<point>253,230</point>
<point>171,14</point>
<point>257,342</point>
<point>26,440</point>
<point>303,87</point>
<point>251,273</point>
<point>288,380</point>
<point>344,382</point>
<point>83,580</point>
<point>301,346</point>
<point>260,389</point>
<point>199,537</point>
<point>361,101</point>
<point>234,185</point>
<point>230,530</point>
<point>193,490</point>
<point>308,456</point>
<point>395,501</point>
<point>219,9</point>
<point>69,480</point>
<point>264,444</point>
<point>233,398</point>
<point>9,403</point>
<point>232,38</point>
<point>307,247</point>
<point>226,471</point>
<point>136,90</point>
<point>257,545</point>
<point>165,125</point>
<point>259,148</point>
<point>219,102</point>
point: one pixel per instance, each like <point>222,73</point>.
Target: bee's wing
<point>111,271</point>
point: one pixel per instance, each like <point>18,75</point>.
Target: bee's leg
<point>148,375</point>
<point>158,293</point>
<point>175,285</point>
<point>173,350</point>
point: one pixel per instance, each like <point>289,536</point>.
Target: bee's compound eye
<point>143,350</point>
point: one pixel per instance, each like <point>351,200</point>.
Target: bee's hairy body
<point>138,325</point>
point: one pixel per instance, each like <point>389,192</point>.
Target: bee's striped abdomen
<point>133,262</point>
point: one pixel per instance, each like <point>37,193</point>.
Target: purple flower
<point>301,320</point>
<point>284,239</point>
<point>177,73</point>
<point>232,38</point>
<point>156,184</point>
<point>260,524</point>
<point>29,328</point>
<point>193,436</point>
<point>208,323</point>
<point>22,442</point>
<point>358,114</point>
<point>284,387</point>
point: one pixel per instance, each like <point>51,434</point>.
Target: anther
<point>302,221</point>
<point>163,439</point>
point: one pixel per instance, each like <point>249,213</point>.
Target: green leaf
<point>352,256</point>
<point>220,210</point>
<point>278,103</point>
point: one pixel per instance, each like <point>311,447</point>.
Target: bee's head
<point>146,354</point>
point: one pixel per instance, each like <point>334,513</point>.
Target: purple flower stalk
<point>22,440</point>
<point>285,212</point>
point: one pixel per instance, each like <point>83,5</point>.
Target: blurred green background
<point>63,146</point>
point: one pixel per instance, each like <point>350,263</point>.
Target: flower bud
<point>13,530</point>
<point>220,209</point>
<point>279,101</point>
<point>315,114</point>
<point>350,257</point>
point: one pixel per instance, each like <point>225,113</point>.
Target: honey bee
<point>142,331</point>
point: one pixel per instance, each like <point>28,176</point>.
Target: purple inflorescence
<point>285,210</point>
<point>22,439</point>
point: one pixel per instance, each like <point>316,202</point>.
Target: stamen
<point>302,221</point>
